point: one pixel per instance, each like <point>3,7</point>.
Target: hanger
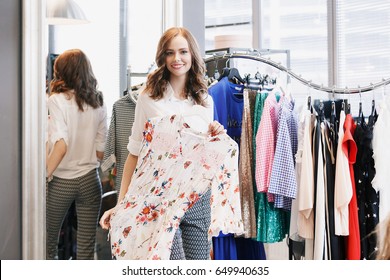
<point>332,111</point>
<point>309,107</point>
<point>348,108</point>
<point>235,75</point>
<point>373,110</point>
<point>196,117</point>
<point>321,110</point>
<point>360,116</point>
<point>309,102</point>
<point>216,74</point>
<point>253,83</point>
<point>225,70</point>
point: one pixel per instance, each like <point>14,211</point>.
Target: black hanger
<point>333,111</point>
<point>373,111</point>
<point>360,116</point>
<point>234,74</point>
<point>225,73</point>
<point>348,108</point>
<point>321,111</point>
<point>360,106</point>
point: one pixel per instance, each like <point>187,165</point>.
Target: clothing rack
<point>256,55</point>
<point>136,74</point>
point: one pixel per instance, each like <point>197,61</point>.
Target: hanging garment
<point>298,166</point>
<point>381,154</point>
<point>266,142</point>
<point>350,149</point>
<point>283,182</point>
<point>335,243</point>
<point>343,185</point>
<point>246,172</point>
<point>176,166</point>
<point>306,184</point>
<point>229,102</point>
<point>367,197</point>
<point>122,120</point>
<point>228,110</point>
<point>272,223</point>
<point>320,246</point>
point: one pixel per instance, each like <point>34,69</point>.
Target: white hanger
<point>197,119</point>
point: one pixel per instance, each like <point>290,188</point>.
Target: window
<point>143,35</point>
<point>228,17</point>
<point>363,46</point>
<point>335,42</point>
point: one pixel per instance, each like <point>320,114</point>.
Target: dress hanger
<point>235,75</point>
<point>225,71</point>
<point>196,118</point>
<point>360,116</point>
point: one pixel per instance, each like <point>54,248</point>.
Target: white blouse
<point>148,108</point>
<point>83,132</point>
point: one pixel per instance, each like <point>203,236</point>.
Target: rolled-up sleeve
<point>57,126</point>
<point>140,117</point>
<point>101,135</point>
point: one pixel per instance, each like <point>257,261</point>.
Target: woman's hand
<point>215,128</point>
<point>105,219</point>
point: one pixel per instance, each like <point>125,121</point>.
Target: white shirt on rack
<point>381,155</point>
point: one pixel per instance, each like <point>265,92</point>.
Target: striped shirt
<point>122,120</point>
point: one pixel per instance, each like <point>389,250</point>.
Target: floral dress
<point>176,166</point>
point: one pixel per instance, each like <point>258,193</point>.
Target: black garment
<point>335,242</point>
<point>367,197</point>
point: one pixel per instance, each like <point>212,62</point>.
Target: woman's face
<point>178,57</point>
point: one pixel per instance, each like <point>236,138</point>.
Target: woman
<point>174,88</point>
<point>77,129</point>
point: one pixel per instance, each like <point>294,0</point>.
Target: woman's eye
<point>168,53</point>
<point>184,52</point>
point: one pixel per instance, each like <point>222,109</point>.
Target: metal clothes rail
<point>333,90</point>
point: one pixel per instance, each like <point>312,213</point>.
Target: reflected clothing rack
<point>131,74</point>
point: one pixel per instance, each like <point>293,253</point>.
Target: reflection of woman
<point>77,133</point>
<point>174,88</point>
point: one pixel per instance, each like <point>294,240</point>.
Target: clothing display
<point>119,131</point>
<point>322,193</point>
<point>184,164</point>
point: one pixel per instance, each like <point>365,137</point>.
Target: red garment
<point>350,150</point>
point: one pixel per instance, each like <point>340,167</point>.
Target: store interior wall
<point>193,19</point>
<point>10,126</point>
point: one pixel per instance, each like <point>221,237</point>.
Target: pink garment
<point>265,144</point>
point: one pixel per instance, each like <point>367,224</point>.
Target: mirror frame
<point>34,52</point>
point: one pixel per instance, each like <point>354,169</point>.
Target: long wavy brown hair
<point>73,71</point>
<point>195,85</point>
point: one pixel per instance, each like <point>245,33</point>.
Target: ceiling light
<point>64,12</point>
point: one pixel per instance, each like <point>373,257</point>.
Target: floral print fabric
<point>176,166</point>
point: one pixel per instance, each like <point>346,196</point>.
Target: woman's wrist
<point>48,177</point>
